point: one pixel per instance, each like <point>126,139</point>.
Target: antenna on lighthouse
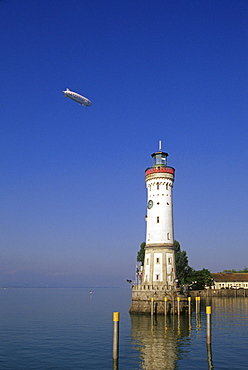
<point>160,146</point>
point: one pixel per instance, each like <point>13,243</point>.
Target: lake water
<point>72,329</point>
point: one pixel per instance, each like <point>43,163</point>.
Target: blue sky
<point>73,196</point>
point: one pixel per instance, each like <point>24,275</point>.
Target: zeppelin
<point>77,97</point>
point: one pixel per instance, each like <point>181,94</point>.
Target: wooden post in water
<point>165,305</point>
<point>189,305</point>
<point>116,318</point>
<point>173,304</point>
<point>152,306</point>
<point>178,306</point>
<point>197,304</point>
<point>208,330</point>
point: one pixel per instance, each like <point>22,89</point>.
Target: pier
<point>164,301</point>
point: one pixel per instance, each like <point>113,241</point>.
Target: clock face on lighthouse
<point>149,204</point>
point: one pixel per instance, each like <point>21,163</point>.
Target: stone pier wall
<point>219,293</point>
<point>142,295</point>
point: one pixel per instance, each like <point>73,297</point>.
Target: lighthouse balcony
<point>153,287</point>
<point>159,169</point>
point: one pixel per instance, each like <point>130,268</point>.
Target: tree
<point>182,265</point>
<point>245,270</point>
<point>199,279</point>
<point>141,253</point>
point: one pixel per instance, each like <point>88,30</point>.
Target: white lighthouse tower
<point>159,263</point>
<point>159,270</point>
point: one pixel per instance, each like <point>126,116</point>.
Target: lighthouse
<point>159,263</point>
<point>158,271</point>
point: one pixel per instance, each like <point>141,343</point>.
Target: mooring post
<point>208,334</point>
<point>197,301</point>
<point>173,304</point>
<point>116,319</point>
<point>152,306</point>
<point>189,305</point>
<point>178,306</point>
<point>165,305</point>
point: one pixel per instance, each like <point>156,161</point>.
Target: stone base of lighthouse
<point>146,298</point>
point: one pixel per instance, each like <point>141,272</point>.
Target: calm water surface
<point>72,329</point>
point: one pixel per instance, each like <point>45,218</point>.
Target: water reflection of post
<point>115,365</point>
<point>178,325</point>
<point>198,321</point>
<point>210,358</point>
<point>152,324</point>
<point>165,322</point>
<point>173,302</point>
<point>189,312</point>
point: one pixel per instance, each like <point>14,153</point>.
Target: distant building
<point>230,280</point>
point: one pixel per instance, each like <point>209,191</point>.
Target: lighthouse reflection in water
<point>158,339</point>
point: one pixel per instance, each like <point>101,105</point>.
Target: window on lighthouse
<point>168,236</point>
<point>157,185</point>
<point>158,220</point>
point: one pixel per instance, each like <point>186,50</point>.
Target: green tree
<point>199,279</point>
<point>182,265</point>
<point>245,270</point>
<point>141,253</point>
<point>232,270</point>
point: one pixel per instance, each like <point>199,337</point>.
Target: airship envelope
<point>77,97</point>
